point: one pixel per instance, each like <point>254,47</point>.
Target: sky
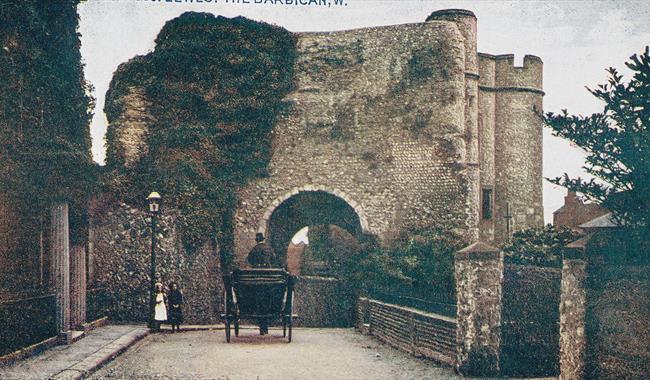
<point>577,40</point>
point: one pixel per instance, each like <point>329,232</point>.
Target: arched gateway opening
<point>310,208</point>
<point>323,299</point>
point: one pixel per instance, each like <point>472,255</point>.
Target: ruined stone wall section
<point>378,114</point>
<point>131,127</point>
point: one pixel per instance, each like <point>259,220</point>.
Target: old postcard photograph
<point>324,189</point>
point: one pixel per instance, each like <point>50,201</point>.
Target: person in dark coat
<point>175,302</point>
<point>262,256</point>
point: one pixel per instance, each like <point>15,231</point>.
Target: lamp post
<point>154,207</point>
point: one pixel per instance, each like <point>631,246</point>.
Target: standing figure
<point>160,310</point>
<point>262,256</point>
<point>175,301</point>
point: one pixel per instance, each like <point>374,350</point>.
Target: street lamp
<point>154,207</point>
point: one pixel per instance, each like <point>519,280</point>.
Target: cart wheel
<point>236,327</point>
<point>290,326</point>
<point>228,331</point>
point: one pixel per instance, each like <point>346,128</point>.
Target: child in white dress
<point>160,309</point>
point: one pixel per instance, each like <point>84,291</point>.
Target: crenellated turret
<point>512,96</point>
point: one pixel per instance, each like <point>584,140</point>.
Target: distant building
<point>575,212</point>
<point>294,257</point>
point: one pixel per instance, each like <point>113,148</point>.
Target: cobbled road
<point>313,354</point>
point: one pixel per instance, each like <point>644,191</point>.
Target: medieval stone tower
<point>394,127</point>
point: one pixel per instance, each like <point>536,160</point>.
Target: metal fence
<point>26,321</point>
<point>434,302</point>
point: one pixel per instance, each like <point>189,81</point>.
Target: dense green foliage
<point>617,144</point>
<point>45,110</point>
<point>540,246</point>
<point>215,87</point>
<point>419,264</point>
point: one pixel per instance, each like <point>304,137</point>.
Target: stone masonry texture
<point>604,310</point>
<point>121,257</point>
<point>479,272</point>
<point>406,123</point>
<point>572,317</point>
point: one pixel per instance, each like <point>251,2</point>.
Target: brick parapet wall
<point>420,333</point>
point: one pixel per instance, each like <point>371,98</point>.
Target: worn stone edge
<point>28,351</point>
<point>97,323</point>
<point>101,357</point>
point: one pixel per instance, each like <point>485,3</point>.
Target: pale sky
<point>576,40</point>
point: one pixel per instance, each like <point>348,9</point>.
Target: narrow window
<point>486,203</point>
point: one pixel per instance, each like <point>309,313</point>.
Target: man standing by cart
<point>262,256</point>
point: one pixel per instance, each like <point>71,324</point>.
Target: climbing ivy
<point>45,111</point>
<point>215,86</point>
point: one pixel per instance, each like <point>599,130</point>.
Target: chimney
<point>571,199</point>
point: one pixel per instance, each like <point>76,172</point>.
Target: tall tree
<point>617,144</point>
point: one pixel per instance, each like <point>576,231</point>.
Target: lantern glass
<point>154,202</point>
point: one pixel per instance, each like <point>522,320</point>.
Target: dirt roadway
<point>313,354</point>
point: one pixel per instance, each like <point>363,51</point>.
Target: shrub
<point>540,246</point>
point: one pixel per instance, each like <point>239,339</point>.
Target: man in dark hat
<point>262,255</point>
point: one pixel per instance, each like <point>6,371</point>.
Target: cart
<point>255,294</point>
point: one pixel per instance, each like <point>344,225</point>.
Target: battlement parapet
<point>498,72</point>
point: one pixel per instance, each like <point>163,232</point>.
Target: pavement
<point>314,353</point>
<point>79,359</point>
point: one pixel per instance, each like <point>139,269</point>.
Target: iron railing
<point>438,303</point>
<point>26,321</point>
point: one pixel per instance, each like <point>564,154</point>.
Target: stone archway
<point>309,206</point>
<point>264,222</point>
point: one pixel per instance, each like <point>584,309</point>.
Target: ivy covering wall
<point>45,110</point>
<point>214,88</point>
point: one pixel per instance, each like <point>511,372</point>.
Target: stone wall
<point>406,123</point>
<point>417,332</point>
<point>605,311</point>
<point>121,254</point>
<point>129,129</point>
<point>572,319</point>
<point>530,318</point>
<point>377,121</point>
<point>512,95</point>
<point>322,302</point>
<point>620,320</point>
<point>479,282</point>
